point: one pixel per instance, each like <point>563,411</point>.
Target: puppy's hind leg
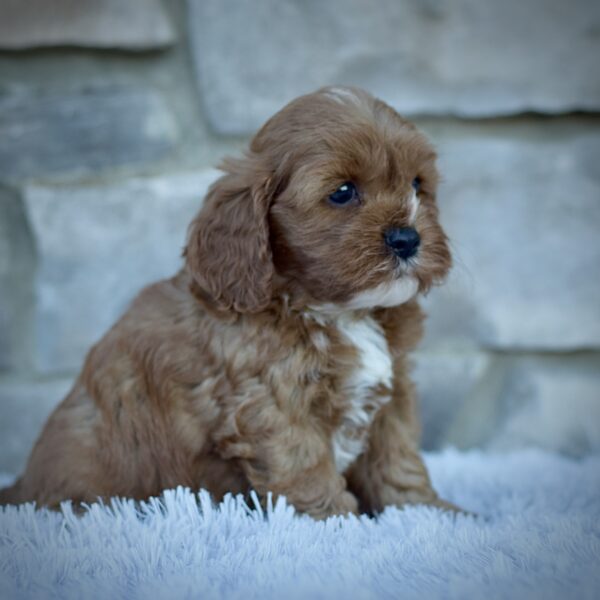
<point>65,461</point>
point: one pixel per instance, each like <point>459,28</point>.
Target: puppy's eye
<point>416,184</point>
<point>344,194</point>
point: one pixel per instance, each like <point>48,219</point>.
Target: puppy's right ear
<point>228,254</point>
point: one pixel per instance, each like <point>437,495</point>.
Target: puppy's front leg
<point>294,460</point>
<point>391,470</point>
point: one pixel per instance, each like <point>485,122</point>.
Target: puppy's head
<point>333,206</point>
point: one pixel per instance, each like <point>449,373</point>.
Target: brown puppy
<point>276,359</point>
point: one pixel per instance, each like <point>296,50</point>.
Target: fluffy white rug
<point>537,536</point>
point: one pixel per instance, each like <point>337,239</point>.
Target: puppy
<point>276,359</point>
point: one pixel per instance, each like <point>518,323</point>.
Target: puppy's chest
<point>364,387</point>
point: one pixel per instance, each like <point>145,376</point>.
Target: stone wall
<point>113,115</point>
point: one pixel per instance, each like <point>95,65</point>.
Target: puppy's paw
<point>449,507</point>
<point>346,503</point>
<point>427,497</point>
<point>343,504</point>
<point>445,505</point>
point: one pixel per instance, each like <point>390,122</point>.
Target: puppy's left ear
<point>228,253</point>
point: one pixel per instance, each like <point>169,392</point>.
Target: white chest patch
<point>387,294</point>
<point>363,388</point>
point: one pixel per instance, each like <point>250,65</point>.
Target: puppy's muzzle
<point>403,241</point>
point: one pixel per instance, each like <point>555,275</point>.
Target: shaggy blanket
<point>537,535</point>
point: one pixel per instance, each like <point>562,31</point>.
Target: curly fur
<point>276,359</point>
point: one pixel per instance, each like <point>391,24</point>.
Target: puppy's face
<point>344,192</point>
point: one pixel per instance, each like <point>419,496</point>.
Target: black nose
<point>404,241</point>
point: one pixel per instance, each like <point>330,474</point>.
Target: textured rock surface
<point>16,280</point>
<point>520,195</point>
<point>24,406</point>
<point>546,401</point>
<point>444,383</point>
<point>552,403</point>
<point>464,58</point>
<point>523,217</point>
<point>98,246</point>
<point>131,25</point>
<point>83,130</point>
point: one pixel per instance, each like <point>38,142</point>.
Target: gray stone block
<point>24,407</point>
<point>97,247</point>
<point>131,25</point>
<point>444,382</point>
<point>523,218</point>
<point>463,58</point>
<point>16,281</point>
<point>552,402</point>
<point>78,131</point>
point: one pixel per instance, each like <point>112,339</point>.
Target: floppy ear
<point>228,253</point>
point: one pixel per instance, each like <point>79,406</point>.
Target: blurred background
<point>113,115</point>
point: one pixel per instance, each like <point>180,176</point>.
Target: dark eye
<point>416,184</point>
<point>344,194</point>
